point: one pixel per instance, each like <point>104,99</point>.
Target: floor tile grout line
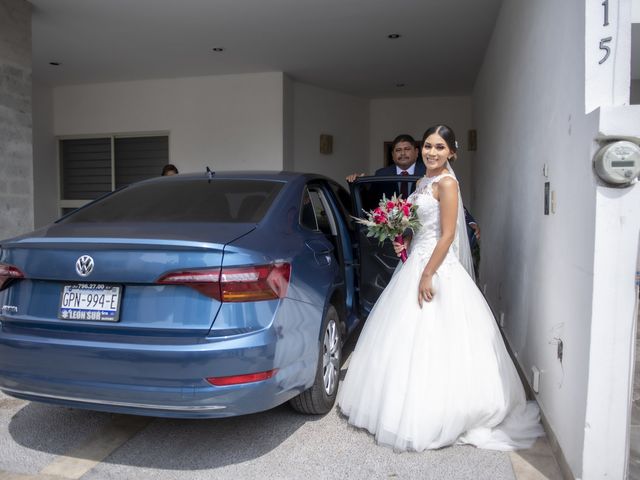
<point>77,462</point>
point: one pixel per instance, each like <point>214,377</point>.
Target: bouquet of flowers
<point>389,221</point>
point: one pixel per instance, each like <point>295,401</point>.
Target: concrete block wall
<point>16,158</point>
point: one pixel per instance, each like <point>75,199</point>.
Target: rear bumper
<point>112,405</point>
<point>160,379</point>
<point>214,404</point>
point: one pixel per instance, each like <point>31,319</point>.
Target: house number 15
<point>603,41</point>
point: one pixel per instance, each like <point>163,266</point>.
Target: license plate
<point>90,301</point>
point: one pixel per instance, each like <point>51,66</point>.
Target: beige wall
<point>225,122</point>
<point>392,116</point>
<point>344,117</point>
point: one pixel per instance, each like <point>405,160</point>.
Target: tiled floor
<point>536,463</point>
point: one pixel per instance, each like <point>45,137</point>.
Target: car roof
<point>282,176</point>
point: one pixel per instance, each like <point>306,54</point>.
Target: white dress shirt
<point>410,170</point>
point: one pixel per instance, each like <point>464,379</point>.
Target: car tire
<point>319,399</point>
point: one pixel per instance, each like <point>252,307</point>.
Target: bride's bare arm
<point>447,195</point>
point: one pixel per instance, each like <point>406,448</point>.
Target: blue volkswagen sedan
<point>195,295</point>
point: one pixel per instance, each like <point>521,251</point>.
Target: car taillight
<point>204,281</point>
<point>7,273</point>
<point>246,284</point>
<point>238,379</point>
<point>237,284</point>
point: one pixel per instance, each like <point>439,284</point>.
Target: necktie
<point>404,186</point>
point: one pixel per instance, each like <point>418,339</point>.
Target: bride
<point>430,368</point>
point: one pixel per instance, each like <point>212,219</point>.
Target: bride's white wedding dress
<point>425,378</point>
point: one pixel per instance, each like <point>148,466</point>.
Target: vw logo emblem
<point>84,265</point>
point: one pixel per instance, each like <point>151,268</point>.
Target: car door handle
<point>319,248</point>
<point>322,253</point>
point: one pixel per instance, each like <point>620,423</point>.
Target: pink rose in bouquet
<point>379,216</point>
<point>390,219</point>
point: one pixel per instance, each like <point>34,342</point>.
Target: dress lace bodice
<point>425,239</point>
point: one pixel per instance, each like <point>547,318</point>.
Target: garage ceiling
<point>337,44</point>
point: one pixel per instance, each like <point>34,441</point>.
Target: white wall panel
<point>393,116</point>
<point>345,117</point>
<point>225,122</point>
<point>528,106</point>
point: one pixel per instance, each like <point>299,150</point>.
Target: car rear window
<point>221,200</point>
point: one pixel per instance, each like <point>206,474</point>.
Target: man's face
<point>404,154</point>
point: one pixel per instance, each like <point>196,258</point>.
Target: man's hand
<point>353,176</point>
<point>476,230</point>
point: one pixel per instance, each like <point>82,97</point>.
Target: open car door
<point>377,262</point>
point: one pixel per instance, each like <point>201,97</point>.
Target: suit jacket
<point>420,170</point>
<point>378,191</point>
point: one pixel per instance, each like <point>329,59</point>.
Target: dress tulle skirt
<point>425,378</point>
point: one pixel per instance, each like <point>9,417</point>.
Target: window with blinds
<point>139,158</point>
<point>86,168</point>
<point>91,167</point>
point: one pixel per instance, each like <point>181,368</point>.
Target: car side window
<point>324,215</point>
<point>307,213</point>
<point>344,203</point>
<point>315,212</point>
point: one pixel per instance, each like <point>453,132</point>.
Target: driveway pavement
<point>39,441</point>
<point>273,445</point>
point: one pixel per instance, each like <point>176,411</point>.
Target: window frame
<point>301,222</point>
<point>319,190</point>
<point>63,204</point>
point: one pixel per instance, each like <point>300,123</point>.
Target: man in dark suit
<point>406,161</point>
<point>406,158</point>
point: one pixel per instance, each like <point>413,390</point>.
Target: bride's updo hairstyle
<point>447,135</point>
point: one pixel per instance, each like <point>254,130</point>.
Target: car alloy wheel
<point>320,397</point>
<point>331,357</point>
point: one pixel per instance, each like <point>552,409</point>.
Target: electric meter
<point>618,163</point>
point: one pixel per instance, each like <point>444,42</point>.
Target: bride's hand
<point>399,247</point>
<point>425,289</point>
